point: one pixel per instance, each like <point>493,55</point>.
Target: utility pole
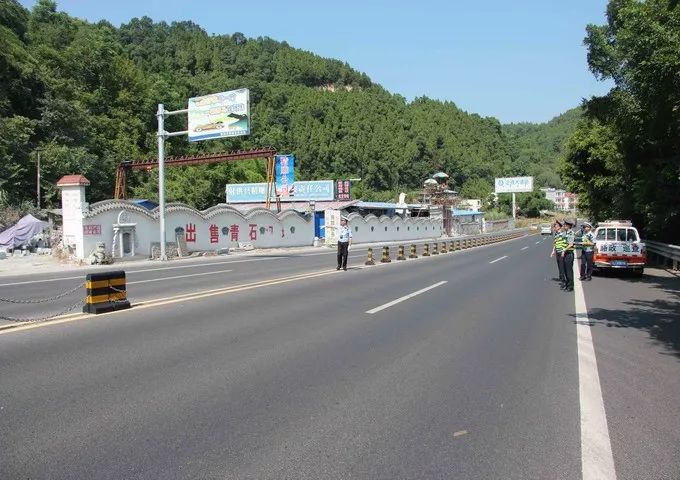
<point>37,182</point>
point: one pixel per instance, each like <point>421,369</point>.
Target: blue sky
<point>521,60</point>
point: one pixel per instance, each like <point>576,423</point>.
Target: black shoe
<point>589,279</point>
<point>569,289</point>
<point>344,268</point>
<point>338,267</point>
<point>562,287</point>
<point>581,278</point>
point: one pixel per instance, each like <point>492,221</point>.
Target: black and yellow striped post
<point>401,255</point>
<point>414,251</point>
<point>426,250</point>
<point>444,249</point>
<point>369,259</point>
<point>105,292</point>
<point>385,255</point>
<point>435,248</point>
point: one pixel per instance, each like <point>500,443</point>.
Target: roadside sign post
<point>162,134</point>
<point>514,185</point>
<point>218,115</point>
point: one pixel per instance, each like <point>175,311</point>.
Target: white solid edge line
<point>498,259</point>
<point>178,276</point>
<point>524,248</point>
<point>405,297</point>
<point>597,461</point>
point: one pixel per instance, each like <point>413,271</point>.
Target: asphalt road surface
<point>469,365</point>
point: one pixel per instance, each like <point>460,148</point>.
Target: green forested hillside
<point>541,147</point>
<point>85,95</point>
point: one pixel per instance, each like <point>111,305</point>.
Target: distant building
<point>470,204</point>
<point>563,200</point>
<point>569,201</point>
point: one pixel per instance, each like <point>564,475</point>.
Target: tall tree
<point>625,157</point>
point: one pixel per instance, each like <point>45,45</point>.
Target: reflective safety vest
<point>588,241</point>
<point>560,241</point>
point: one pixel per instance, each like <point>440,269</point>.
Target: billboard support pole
<point>514,208</point>
<point>161,177</point>
<point>270,181</point>
<point>162,134</point>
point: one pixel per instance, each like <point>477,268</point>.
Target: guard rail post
<point>369,259</point>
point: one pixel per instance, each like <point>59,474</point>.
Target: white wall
<point>385,229</point>
<point>287,229</point>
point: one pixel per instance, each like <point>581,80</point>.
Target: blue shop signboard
<point>318,190</point>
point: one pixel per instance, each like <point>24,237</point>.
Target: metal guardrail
<point>664,253</point>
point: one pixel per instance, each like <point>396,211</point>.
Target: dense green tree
<point>624,158</point>
<point>84,95</point>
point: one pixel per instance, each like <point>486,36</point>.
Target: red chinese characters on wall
<point>92,229</point>
<point>191,233</point>
<point>214,233</point>
<point>253,231</point>
<point>234,233</point>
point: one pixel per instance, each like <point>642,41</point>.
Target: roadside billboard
<point>285,175</point>
<point>219,115</point>
<point>318,190</point>
<point>514,184</point>
<point>343,190</point>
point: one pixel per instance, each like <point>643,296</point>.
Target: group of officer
<point>564,246</point>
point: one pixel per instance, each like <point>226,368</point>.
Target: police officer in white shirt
<point>344,242</point>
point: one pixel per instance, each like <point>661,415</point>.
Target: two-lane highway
<point>155,280</point>
<point>463,365</point>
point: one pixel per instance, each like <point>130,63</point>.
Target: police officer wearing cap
<point>588,242</point>
<point>344,243</point>
<point>559,242</point>
<point>568,256</point>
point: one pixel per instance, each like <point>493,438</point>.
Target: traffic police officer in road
<point>568,256</point>
<point>559,243</point>
<point>588,242</point>
<point>344,243</point>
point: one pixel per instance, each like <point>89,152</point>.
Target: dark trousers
<point>342,254</point>
<point>586,264</point>
<point>569,270</point>
<point>560,266</point>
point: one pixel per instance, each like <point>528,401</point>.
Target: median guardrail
<point>460,243</point>
<point>663,253</point>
